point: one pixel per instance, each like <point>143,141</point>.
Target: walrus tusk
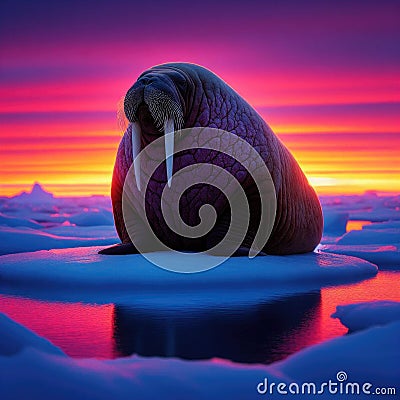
<point>169,148</point>
<point>136,147</point>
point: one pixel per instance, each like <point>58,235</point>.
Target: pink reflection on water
<point>87,330</point>
<point>384,286</point>
<point>81,330</point>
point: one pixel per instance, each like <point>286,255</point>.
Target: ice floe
<point>360,316</point>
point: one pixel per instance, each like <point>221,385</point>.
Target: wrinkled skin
<point>207,101</point>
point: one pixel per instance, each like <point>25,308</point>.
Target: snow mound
<point>371,236</point>
<point>364,315</point>
<point>15,337</point>
<point>13,222</point>
<point>382,210</point>
<point>383,225</point>
<point>369,356</point>
<point>245,278</point>
<point>335,222</point>
<point>369,206</point>
<point>18,240</point>
<point>98,231</point>
<point>36,196</point>
<point>386,257</point>
<point>92,218</point>
<point>377,215</point>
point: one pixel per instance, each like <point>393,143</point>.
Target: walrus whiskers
<point>122,121</point>
<point>162,108</point>
<point>131,104</point>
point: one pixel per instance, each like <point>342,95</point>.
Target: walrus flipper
<point>120,249</point>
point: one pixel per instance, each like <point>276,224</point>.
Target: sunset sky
<point>324,75</point>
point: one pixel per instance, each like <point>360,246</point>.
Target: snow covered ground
<point>377,242</point>
<point>39,221</point>
<point>364,315</point>
<point>33,368</point>
<point>106,279</point>
<point>48,249</point>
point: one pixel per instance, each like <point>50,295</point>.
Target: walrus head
<point>155,105</point>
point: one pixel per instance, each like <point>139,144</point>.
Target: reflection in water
<point>258,333</point>
<point>384,286</point>
<point>252,334</point>
<point>356,225</point>
<point>81,330</point>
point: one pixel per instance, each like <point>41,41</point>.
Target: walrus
<point>173,96</point>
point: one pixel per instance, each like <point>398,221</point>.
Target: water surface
<point>256,333</point>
